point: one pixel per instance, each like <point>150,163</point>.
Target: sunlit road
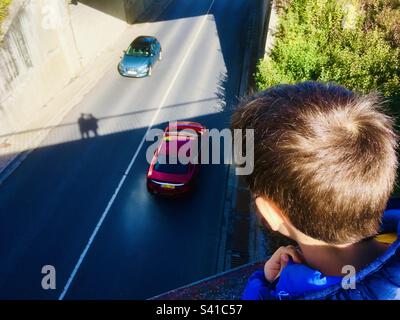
<point>144,246</point>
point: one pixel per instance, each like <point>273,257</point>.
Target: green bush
<point>352,43</point>
<point>3,10</point>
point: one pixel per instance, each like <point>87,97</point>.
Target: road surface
<point>81,205</point>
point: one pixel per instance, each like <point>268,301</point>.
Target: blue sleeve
<point>258,288</point>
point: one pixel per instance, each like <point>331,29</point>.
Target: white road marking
<point>117,190</point>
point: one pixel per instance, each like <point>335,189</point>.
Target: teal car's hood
<point>133,62</point>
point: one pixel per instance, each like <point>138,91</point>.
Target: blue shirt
<point>380,280</point>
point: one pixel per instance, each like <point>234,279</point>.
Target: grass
<point>4,9</point>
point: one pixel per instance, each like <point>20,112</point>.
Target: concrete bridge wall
<point>46,44</point>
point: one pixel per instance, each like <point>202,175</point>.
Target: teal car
<point>141,56</point>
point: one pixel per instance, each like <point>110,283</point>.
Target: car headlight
<point>143,69</point>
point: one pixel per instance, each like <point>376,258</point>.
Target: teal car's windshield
<point>138,51</point>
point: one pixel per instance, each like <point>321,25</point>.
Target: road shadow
<point>88,125</point>
<point>54,199</point>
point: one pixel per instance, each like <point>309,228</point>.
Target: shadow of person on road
<point>88,123</point>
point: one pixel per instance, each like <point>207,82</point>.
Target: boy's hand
<point>279,260</point>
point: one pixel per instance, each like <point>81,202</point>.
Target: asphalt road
<point>144,245</point>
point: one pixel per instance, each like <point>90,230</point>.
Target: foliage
<point>3,10</point>
<point>354,43</point>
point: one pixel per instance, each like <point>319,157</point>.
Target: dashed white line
<point>120,184</point>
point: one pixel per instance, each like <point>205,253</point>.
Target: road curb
<point>229,201</point>
<point>224,256</point>
<point>225,251</point>
<point>259,244</point>
<point>245,244</point>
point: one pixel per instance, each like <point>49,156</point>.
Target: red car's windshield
<point>171,165</point>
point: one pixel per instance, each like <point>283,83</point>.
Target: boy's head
<point>324,160</point>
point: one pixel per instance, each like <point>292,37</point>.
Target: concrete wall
<point>29,56</point>
<point>47,43</point>
<point>267,22</point>
<point>273,26</point>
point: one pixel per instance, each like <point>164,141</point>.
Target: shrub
<point>4,9</point>
<point>325,40</point>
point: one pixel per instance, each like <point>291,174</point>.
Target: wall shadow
<point>114,8</point>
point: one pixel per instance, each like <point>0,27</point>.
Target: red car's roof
<point>186,124</point>
<point>175,141</point>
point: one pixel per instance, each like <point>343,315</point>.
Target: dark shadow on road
<point>50,205</point>
<point>88,124</point>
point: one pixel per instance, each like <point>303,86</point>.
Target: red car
<point>167,175</point>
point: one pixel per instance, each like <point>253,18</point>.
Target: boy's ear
<point>271,213</point>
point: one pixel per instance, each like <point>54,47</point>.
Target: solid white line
<point>117,190</point>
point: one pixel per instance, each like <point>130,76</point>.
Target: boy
<point>324,168</point>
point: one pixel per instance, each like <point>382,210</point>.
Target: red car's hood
<point>173,178</point>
